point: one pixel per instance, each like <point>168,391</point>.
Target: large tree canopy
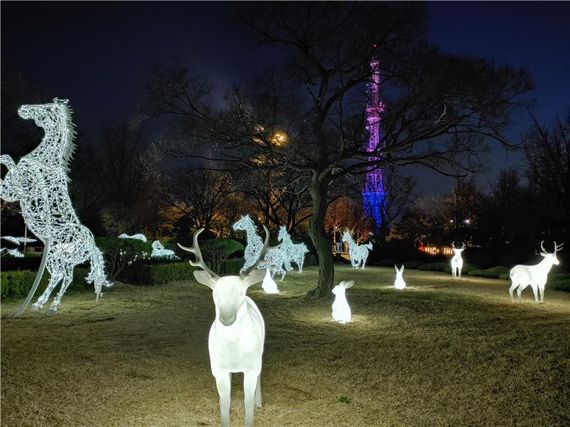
<point>440,108</point>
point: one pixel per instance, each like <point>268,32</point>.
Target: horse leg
<point>511,289</point>
<point>67,279</point>
<point>53,281</point>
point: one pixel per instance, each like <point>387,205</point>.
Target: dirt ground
<point>442,352</point>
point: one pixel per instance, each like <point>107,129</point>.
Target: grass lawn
<point>441,352</point>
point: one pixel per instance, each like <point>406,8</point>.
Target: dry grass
<point>438,353</point>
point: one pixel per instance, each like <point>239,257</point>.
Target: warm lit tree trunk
<point>318,190</point>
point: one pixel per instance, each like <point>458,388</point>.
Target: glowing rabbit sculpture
<point>457,260</point>
<point>534,276</point>
<point>399,283</point>
<point>340,308</point>
<point>268,285</point>
<point>237,334</point>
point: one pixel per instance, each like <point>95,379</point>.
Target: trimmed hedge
<point>446,267</point>
<point>157,274</point>
<point>26,263</point>
<point>494,272</point>
<point>413,264</point>
<point>16,284</point>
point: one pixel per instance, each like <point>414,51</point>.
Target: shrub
<point>561,285</point>
<point>119,253</point>
<point>311,260</point>
<point>16,284</point>
<point>493,272</point>
<point>386,262</point>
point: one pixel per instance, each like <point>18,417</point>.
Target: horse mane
<point>69,147</point>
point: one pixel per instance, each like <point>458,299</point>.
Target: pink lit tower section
<point>373,194</point>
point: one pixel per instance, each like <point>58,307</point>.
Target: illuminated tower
<point>373,193</point>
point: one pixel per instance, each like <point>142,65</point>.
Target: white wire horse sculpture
<point>358,253</point>
<point>293,252</point>
<point>39,182</point>
<point>274,260</point>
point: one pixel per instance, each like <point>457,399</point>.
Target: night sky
<point>100,54</point>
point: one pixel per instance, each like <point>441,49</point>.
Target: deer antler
<point>542,247</point>
<point>462,245</point>
<point>558,247</point>
<point>195,249</point>
<point>266,248</point>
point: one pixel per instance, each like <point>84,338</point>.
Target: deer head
<point>551,256</point>
<point>228,291</point>
<point>457,250</point>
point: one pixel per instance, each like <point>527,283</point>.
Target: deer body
<point>534,276</point>
<point>237,335</point>
<point>457,261</point>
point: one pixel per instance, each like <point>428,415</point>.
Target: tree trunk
<point>318,190</point>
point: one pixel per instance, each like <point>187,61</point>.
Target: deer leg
<point>258,399</point>
<point>519,292</point>
<point>511,289</point>
<point>224,384</point>
<point>541,293</point>
<point>535,292</point>
<point>249,391</point>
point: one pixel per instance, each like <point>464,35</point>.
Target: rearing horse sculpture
<point>39,183</point>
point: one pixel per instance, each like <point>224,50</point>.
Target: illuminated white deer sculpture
<point>534,275</point>
<point>457,261</point>
<point>399,283</point>
<point>237,335</point>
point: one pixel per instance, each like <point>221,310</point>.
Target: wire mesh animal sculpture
<point>139,236</point>
<point>358,253</point>
<point>274,260</point>
<point>237,335</point>
<point>39,182</point>
<point>399,282</point>
<point>457,260</point>
<point>293,252</point>
<point>158,251</point>
<point>534,276</point>
<point>340,309</point>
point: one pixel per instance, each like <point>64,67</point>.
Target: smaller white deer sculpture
<point>457,261</point>
<point>340,308</point>
<point>534,275</point>
<point>237,335</point>
<point>399,283</point>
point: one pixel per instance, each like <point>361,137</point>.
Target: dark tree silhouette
<point>441,108</point>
